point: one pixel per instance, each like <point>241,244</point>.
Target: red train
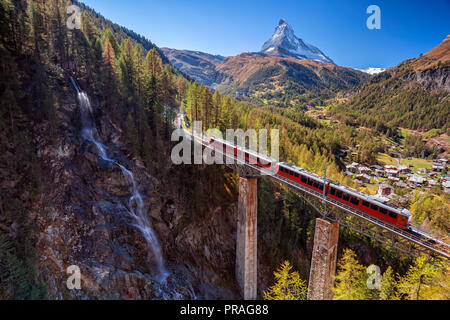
<point>385,211</point>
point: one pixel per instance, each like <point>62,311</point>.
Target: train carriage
<point>382,210</point>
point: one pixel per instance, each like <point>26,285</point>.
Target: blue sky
<point>337,27</point>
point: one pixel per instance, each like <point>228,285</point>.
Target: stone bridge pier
<point>323,261</point>
<point>246,238</point>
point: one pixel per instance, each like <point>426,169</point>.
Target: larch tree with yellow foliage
<point>288,285</point>
<point>425,281</point>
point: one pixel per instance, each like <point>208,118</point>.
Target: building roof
<point>363,175</point>
<point>416,179</point>
<point>401,184</point>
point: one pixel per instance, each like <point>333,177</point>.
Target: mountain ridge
<point>414,94</point>
<point>199,65</point>
<point>285,63</point>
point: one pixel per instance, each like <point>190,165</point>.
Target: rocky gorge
<point>83,220</point>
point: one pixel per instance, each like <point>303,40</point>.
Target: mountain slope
<point>284,43</point>
<point>200,66</point>
<point>414,94</point>
<point>285,69</point>
<point>262,75</point>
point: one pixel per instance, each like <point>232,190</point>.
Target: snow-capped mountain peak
<point>284,43</point>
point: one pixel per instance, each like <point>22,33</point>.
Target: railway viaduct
<point>334,215</point>
<point>323,263</point>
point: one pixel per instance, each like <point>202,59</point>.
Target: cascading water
<point>135,203</point>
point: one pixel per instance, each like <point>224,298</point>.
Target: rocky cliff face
<point>83,220</point>
<point>431,79</point>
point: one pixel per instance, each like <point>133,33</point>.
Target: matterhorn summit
<point>284,43</point>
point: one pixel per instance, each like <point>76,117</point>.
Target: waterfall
<point>135,203</point>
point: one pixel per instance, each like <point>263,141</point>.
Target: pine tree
<point>217,102</point>
<point>153,62</point>
<point>387,285</point>
<point>351,279</point>
<point>418,281</point>
<point>109,74</point>
<point>206,106</point>
<point>288,285</point>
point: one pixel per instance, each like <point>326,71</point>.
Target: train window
<point>339,193</point>
<point>291,173</point>
<point>354,200</point>
<point>304,179</point>
<point>296,175</point>
<point>316,185</point>
<point>310,182</point>
<point>321,186</point>
<point>392,215</point>
<point>373,207</point>
<point>246,155</point>
<point>383,210</point>
<point>346,197</point>
<point>366,204</point>
<point>332,191</point>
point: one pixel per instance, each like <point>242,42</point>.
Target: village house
<point>437,167</point>
<point>415,180</point>
<point>442,161</point>
<point>401,184</point>
<point>446,186</point>
<point>352,167</point>
<point>422,171</point>
<point>380,173</point>
<point>390,167</point>
<point>363,177</point>
<point>392,172</point>
<point>385,190</point>
<point>432,183</point>
<point>403,169</point>
<point>393,179</point>
<point>364,170</point>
